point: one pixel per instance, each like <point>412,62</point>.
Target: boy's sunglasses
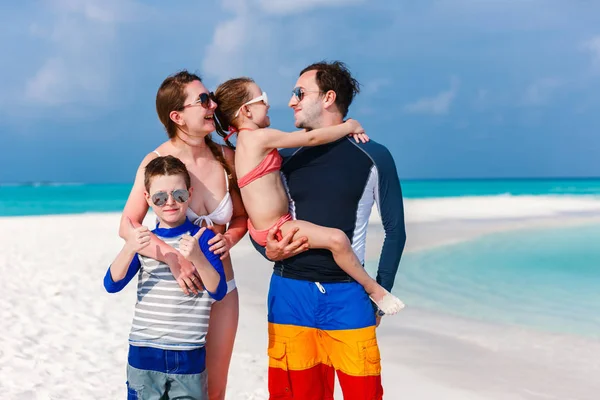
<point>179,195</point>
<point>203,99</point>
<point>299,92</point>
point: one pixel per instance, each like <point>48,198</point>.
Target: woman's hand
<point>220,244</point>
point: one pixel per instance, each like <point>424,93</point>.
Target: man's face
<point>308,107</point>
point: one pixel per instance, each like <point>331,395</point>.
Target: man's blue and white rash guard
<point>335,185</point>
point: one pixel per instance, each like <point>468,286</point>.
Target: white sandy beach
<point>64,337</point>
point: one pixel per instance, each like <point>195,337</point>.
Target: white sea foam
<point>495,207</point>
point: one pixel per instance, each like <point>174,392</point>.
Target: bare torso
<point>265,199</point>
<point>208,192</point>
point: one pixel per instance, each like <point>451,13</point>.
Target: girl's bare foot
<point>387,302</point>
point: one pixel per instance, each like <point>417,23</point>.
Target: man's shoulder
<point>374,149</point>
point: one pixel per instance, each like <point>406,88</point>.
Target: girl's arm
<point>273,138</point>
<point>135,210</point>
<point>238,226</point>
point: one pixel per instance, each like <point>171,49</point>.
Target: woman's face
<point>198,117</point>
<point>259,110</point>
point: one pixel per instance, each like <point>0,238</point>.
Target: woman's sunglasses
<point>203,99</point>
<point>179,195</point>
<point>299,92</point>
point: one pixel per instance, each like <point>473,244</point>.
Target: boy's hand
<point>138,238</point>
<point>189,247</point>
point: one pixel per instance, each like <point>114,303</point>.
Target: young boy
<point>166,344</point>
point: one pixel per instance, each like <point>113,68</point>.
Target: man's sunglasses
<point>299,92</point>
<point>179,195</point>
<point>203,99</point>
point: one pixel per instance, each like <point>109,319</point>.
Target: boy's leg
<point>144,385</point>
<point>298,365</point>
<point>188,386</point>
<point>350,341</point>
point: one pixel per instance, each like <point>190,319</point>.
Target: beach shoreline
<point>67,338</point>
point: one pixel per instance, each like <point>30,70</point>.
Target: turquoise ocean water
<point>548,280</point>
<point>542,279</point>
<point>41,199</point>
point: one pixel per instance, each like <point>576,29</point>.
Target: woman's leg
<point>222,328</point>
<point>337,242</point>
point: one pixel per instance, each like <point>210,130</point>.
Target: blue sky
<point>455,88</point>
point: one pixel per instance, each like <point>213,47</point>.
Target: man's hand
<point>137,238</point>
<point>219,244</point>
<point>286,247</point>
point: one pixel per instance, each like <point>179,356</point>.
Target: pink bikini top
<point>272,162</point>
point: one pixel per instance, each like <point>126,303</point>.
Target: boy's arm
<point>276,139</point>
<point>388,196</point>
<point>121,271</point>
<point>133,215</point>
<point>209,266</point>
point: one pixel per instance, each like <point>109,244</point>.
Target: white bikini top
<point>220,215</point>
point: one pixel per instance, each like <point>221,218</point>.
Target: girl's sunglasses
<point>299,92</point>
<point>263,97</point>
<point>203,99</point>
<point>179,195</point>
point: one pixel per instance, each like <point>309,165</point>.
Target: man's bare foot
<point>387,302</point>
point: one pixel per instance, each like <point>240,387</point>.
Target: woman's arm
<point>135,210</point>
<point>276,139</point>
<point>221,244</point>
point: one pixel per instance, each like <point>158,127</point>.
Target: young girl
<point>243,107</point>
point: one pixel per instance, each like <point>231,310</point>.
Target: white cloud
<point>79,36</point>
<point>286,7</point>
<point>593,47</point>
<point>540,91</point>
<point>436,105</point>
<point>374,86</point>
<point>256,42</point>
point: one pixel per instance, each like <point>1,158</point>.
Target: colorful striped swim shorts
<point>317,330</point>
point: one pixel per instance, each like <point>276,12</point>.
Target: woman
<point>186,109</point>
<point>243,108</point>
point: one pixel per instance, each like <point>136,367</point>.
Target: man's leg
<point>298,365</point>
<point>350,341</point>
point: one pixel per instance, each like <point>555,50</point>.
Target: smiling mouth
<point>209,117</point>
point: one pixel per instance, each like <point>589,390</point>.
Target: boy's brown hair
<point>166,166</point>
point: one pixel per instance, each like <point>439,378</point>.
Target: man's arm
<point>388,196</point>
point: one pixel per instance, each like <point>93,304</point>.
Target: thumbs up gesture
<point>189,247</point>
<point>137,238</point>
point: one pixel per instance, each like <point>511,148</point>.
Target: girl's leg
<point>222,328</point>
<point>337,242</point>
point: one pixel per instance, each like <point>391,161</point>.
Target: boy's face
<point>173,188</point>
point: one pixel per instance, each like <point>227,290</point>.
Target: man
<point>320,320</point>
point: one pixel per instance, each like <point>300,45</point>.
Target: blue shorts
<point>153,373</point>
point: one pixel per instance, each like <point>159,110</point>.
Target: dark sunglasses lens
<point>298,93</point>
<point>181,195</point>
<point>205,100</point>
<point>160,198</point>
